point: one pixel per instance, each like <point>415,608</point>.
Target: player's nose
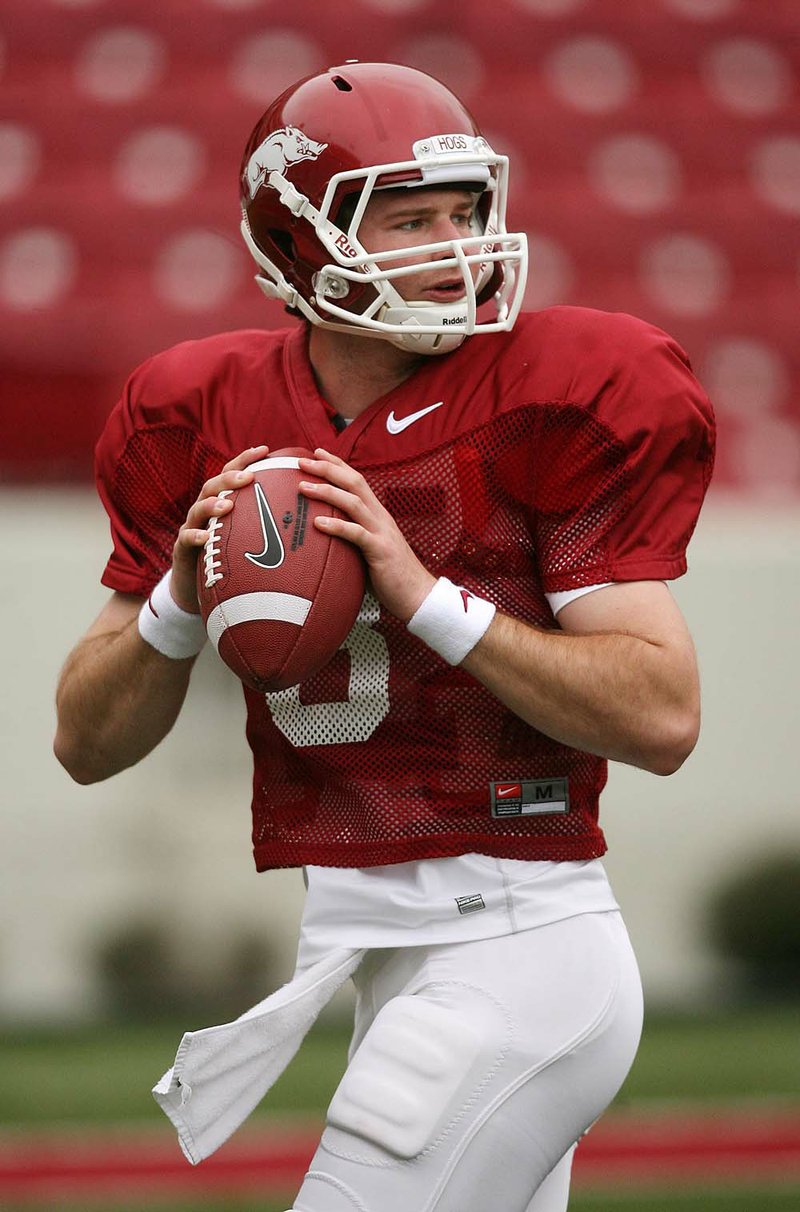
<point>446,228</point>
<point>446,231</point>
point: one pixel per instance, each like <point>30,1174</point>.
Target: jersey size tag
<point>530,797</point>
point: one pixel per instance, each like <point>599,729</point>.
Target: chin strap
<point>412,315</point>
<point>428,344</point>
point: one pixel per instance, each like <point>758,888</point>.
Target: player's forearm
<point>117,698</point>
<point>619,696</point>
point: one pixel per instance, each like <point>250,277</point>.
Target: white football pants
<point>474,1070</point>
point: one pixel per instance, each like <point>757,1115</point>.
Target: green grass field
<point>721,1200</point>
<point>102,1077</point>
<point>104,1074</point>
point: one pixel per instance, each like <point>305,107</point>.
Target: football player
<point>522,487</point>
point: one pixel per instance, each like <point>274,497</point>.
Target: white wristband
<point>165,626</point>
<point>451,620</point>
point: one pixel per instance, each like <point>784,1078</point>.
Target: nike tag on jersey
<point>397,425</point>
<point>530,797</point>
<point>470,904</point>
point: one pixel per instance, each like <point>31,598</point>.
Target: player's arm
<point>619,680</point>
<point>117,696</point>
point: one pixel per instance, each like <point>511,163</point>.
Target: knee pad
<point>414,1062</point>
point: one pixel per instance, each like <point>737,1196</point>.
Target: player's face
<point>400,219</point>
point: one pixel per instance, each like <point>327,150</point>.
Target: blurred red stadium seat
<point>656,165</point>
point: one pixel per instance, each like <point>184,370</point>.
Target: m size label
<point>530,797</point>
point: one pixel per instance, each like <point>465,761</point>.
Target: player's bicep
<point>118,612</point>
<point>641,608</point>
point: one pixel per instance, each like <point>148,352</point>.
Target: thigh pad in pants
<point>414,1062</point>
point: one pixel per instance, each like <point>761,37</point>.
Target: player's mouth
<point>445,292</point>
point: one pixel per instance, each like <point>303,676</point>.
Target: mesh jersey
<point>574,450</point>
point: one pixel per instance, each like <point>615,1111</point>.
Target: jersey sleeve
<point>150,463</point>
<point>622,468</point>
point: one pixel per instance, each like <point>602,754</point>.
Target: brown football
<point>277,595</point>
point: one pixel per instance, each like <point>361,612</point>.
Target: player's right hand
<point>194,532</point>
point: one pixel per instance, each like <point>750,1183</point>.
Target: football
<point>277,595</point>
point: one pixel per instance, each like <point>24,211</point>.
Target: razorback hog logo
<point>278,152</point>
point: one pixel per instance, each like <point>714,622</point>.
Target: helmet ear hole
<point>284,243</point>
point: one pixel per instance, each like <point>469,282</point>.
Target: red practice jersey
<point>574,450</point>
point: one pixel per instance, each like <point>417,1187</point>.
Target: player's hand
<point>194,532</point>
<point>399,581</point>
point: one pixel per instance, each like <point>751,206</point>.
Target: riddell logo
<point>279,151</point>
<point>455,320</point>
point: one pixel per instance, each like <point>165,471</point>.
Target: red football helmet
<point>336,137</point>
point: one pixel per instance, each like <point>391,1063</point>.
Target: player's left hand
<point>399,581</point>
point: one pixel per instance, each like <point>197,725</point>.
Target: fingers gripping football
<point>194,532</point>
<point>399,580</point>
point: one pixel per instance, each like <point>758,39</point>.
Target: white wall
<point>173,834</point>
<point>672,840</point>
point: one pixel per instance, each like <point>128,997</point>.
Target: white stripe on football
<point>253,607</point>
<point>276,463</point>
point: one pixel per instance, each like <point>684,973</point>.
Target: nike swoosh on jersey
<point>273,553</point>
<point>397,426</point>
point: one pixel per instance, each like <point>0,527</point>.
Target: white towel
<point>221,1073</point>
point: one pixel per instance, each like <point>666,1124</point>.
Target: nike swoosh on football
<point>273,553</point>
<point>397,426</point>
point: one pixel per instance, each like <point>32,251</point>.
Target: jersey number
<point>367,702</point>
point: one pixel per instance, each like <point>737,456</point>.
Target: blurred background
<point>656,169</point>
